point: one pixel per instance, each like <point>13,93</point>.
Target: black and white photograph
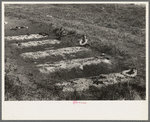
<point>76,52</point>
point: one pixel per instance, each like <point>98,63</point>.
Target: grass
<point>113,29</point>
<point>46,91</point>
<point>121,91</point>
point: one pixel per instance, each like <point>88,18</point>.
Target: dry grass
<point>112,29</point>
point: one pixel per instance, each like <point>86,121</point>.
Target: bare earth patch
<point>36,43</point>
<point>68,65</point>
<point>103,80</point>
<point>59,52</point>
<point>24,37</point>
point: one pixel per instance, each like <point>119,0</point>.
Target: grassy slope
<point>112,29</point>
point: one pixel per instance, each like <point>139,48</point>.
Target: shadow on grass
<point>121,91</point>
